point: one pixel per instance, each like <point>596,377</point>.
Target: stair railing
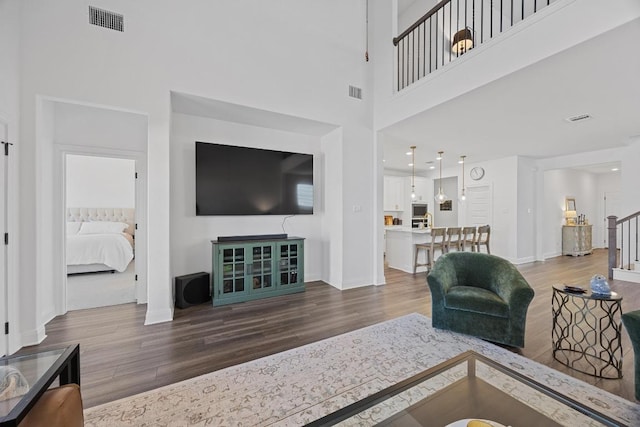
<point>624,233</point>
<point>428,43</point>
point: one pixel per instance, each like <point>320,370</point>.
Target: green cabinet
<point>245,270</point>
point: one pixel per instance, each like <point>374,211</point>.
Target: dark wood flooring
<point>121,357</point>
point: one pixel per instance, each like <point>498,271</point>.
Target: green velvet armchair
<point>481,295</point>
<point>631,321</point>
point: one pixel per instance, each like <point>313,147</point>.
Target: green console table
<point>245,270</point>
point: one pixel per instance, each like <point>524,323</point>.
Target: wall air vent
<point>106,19</point>
<point>355,92</point>
<point>578,118</point>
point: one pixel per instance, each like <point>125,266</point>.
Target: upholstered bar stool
<point>453,239</point>
<point>436,243</point>
<point>469,237</point>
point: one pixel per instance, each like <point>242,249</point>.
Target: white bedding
<point>113,250</point>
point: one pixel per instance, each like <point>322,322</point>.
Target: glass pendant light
<point>440,197</point>
<point>413,172</point>
<point>463,195</point>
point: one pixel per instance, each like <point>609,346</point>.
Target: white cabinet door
<point>422,187</point>
<point>394,194</point>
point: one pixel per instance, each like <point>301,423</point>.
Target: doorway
<point>100,212</point>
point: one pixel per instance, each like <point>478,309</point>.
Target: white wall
<point>10,84</point>
<point>526,209</point>
<point>95,126</point>
<point>553,29</point>
<point>450,189</point>
<point>559,184</point>
<point>413,12</point>
<point>191,235</point>
<point>501,175</point>
<point>629,175</point>
<point>606,183</point>
<point>100,182</point>
<point>292,57</point>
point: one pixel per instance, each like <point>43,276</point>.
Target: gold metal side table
<point>586,332</point>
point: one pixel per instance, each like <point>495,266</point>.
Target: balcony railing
<point>452,28</point>
<point>623,242</point>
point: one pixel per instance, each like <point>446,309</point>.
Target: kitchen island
<point>400,241</point>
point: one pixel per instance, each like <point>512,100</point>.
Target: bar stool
<point>484,232</point>
<point>437,242</point>
<point>469,237</point>
<point>454,239</point>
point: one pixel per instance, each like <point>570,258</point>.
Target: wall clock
<point>476,173</point>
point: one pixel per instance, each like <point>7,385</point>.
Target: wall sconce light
<point>462,41</point>
<point>440,197</point>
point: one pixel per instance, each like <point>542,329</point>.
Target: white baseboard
<point>626,275</point>
<point>158,316</point>
<point>552,255</point>
<point>32,337</point>
<point>524,260</point>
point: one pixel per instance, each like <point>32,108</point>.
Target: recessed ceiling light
<point>384,160</point>
<point>410,164</point>
<point>460,162</point>
<point>408,153</point>
<point>615,169</point>
<point>432,167</point>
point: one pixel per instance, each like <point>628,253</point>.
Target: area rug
<point>303,384</point>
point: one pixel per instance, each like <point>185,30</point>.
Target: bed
<point>99,239</point>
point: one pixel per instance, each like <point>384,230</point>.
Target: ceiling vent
<point>355,92</point>
<point>579,118</point>
<point>106,19</point>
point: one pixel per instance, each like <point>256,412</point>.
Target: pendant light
<point>440,197</point>
<point>463,196</point>
<point>462,41</point>
<point>413,172</point>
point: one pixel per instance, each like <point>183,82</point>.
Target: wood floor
<point>121,357</point>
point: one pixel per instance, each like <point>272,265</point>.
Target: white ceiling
<point>524,113</point>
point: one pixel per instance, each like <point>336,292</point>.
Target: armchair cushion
<point>481,295</point>
<point>477,300</point>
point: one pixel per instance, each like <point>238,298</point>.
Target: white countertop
<point>406,229</point>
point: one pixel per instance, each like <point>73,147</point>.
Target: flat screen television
<point>233,180</point>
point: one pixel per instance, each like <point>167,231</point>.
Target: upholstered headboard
<point>126,215</point>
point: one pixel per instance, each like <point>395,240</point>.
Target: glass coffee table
<point>24,378</point>
<point>468,386</point>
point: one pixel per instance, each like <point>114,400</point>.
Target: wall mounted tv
<point>233,180</point>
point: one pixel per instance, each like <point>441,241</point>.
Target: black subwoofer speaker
<point>192,289</point>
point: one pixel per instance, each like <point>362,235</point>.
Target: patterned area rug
<point>300,385</point>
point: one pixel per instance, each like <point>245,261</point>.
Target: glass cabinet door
<point>288,257</point>
<point>261,268</point>
<point>232,262</point>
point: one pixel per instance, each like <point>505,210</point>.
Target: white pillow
<point>73,227</point>
<point>102,227</point>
